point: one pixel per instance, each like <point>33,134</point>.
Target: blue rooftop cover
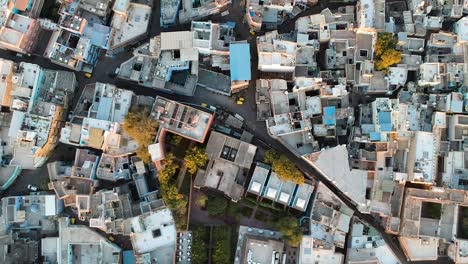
<point>385,117</point>
<point>104,108</point>
<point>231,24</point>
<point>386,127</point>
<point>128,257</point>
<point>239,61</point>
<point>329,117</point>
<point>385,121</point>
<point>375,136</point>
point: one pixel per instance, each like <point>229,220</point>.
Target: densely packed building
<point>350,147</point>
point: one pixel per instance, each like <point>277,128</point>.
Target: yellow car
<point>204,105</point>
<point>242,99</point>
<point>252,32</point>
<point>88,75</point>
<point>72,220</point>
<point>239,102</point>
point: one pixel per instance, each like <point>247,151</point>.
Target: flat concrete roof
<point>273,187</point>
<point>82,242</point>
<point>257,245</point>
<point>153,230</point>
<point>176,40</point>
<point>230,160</point>
<point>259,178</point>
<point>181,119</point>
<point>420,248</point>
<point>302,197</point>
<point>352,182</point>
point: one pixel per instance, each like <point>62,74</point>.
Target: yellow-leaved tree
<point>140,127</point>
<point>385,51</point>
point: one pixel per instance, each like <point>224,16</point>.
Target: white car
<point>32,187</point>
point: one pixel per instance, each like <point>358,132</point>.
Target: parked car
<point>32,187</point>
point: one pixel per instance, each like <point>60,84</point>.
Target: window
<point>363,53</point>
<point>462,182</point>
<point>425,154</point>
<point>156,233</point>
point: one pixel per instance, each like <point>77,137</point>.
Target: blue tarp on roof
<point>329,115</point>
<point>375,136</point>
<point>239,61</point>
<point>385,121</point>
<point>385,117</point>
<point>104,108</point>
<point>386,127</point>
<point>231,24</point>
<point>128,257</point>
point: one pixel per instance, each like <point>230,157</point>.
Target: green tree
<point>199,245</point>
<point>195,158</point>
<point>139,126</point>
<point>271,156</point>
<point>166,175</point>
<point>176,139</point>
<point>234,212</point>
<point>171,196</point>
<point>283,166</point>
<point>385,51</point>
<point>290,229</point>
<point>217,206</point>
<point>143,154</point>
<point>222,252</point>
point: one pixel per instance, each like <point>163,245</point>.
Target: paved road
<point>107,65</point>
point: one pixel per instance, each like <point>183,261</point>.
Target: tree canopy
<point>195,158</point>
<point>171,196</point>
<point>175,140</point>
<point>388,59</point>
<point>140,127</point>
<point>385,51</point>
<point>290,229</point>
<point>385,41</point>
<point>201,200</point>
<point>283,166</point>
<point>216,206</point>
<point>222,247</point>
<point>199,245</point>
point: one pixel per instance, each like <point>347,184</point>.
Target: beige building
<point>18,32</point>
